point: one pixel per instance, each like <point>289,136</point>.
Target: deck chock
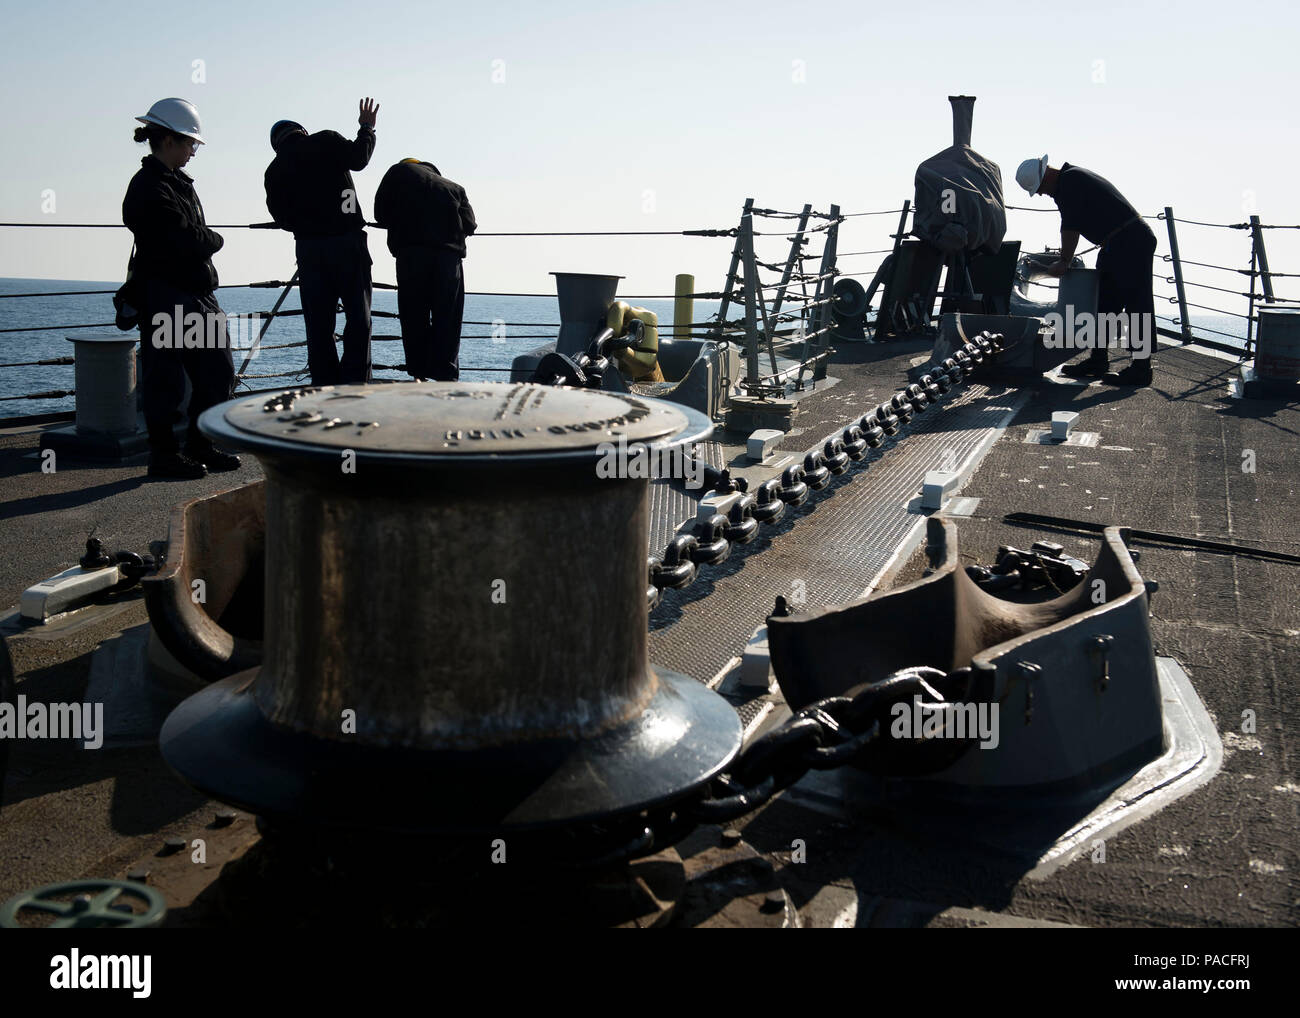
<point>1063,422</point>
<point>715,503</point>
<point>938,487</point>
<point>376,681</point>
<point>762,444</point>
<point>1062,696</point>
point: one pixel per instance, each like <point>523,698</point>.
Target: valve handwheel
<point>96,904</point>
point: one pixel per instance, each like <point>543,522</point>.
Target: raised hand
<point>369,112</point>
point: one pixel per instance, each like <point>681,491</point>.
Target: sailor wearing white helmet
<point>173,279</point>
<point>1092,206</point>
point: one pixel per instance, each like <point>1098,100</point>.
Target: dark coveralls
<point>428,218</point>
<point>174,250</point>
<point>1091,205</point>
<point>309,192</point>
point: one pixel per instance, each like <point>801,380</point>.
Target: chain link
<point>687,553</point>
<point>826,734</point>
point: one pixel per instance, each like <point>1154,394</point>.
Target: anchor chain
<point>1044,565</point>
<point>679,565</point>
<point>829,733</point>
<point>826,734</point>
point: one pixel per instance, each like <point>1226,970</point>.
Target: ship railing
<point>1258,289</point>
<point>792,314</point>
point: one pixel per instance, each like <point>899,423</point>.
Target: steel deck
<point>1168,458</point>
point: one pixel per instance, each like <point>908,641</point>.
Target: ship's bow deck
<point>1179,457</point>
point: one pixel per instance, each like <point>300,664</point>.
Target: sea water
<point>495,330</point>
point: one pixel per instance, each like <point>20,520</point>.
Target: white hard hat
<point>1030,174</point>
<point>177,115</point>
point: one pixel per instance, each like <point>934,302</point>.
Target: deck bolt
<point>730,837</point>
<point>173,845</point>
<point>140,875</point>
<point>773,902</point>
<point>224,818</point>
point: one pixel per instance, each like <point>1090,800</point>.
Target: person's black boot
<point>173,465</point>
<point>1093,366</point>
<point>1137,373</point>
<point>165,459</point>
<point>216,460</point>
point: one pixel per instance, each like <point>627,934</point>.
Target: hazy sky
<point>603,116</point>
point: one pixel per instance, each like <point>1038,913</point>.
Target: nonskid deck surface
<point>1168,459</point>
<point>829,549</point>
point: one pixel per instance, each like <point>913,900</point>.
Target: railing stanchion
<point>1185,326</point>
<point>881,320</point>
<point>1264,276</point>
<point>729,287</point>
<point>821,316</point>
<point>266,324</point>
<point>1250,304</point>
<point>752,372</point>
